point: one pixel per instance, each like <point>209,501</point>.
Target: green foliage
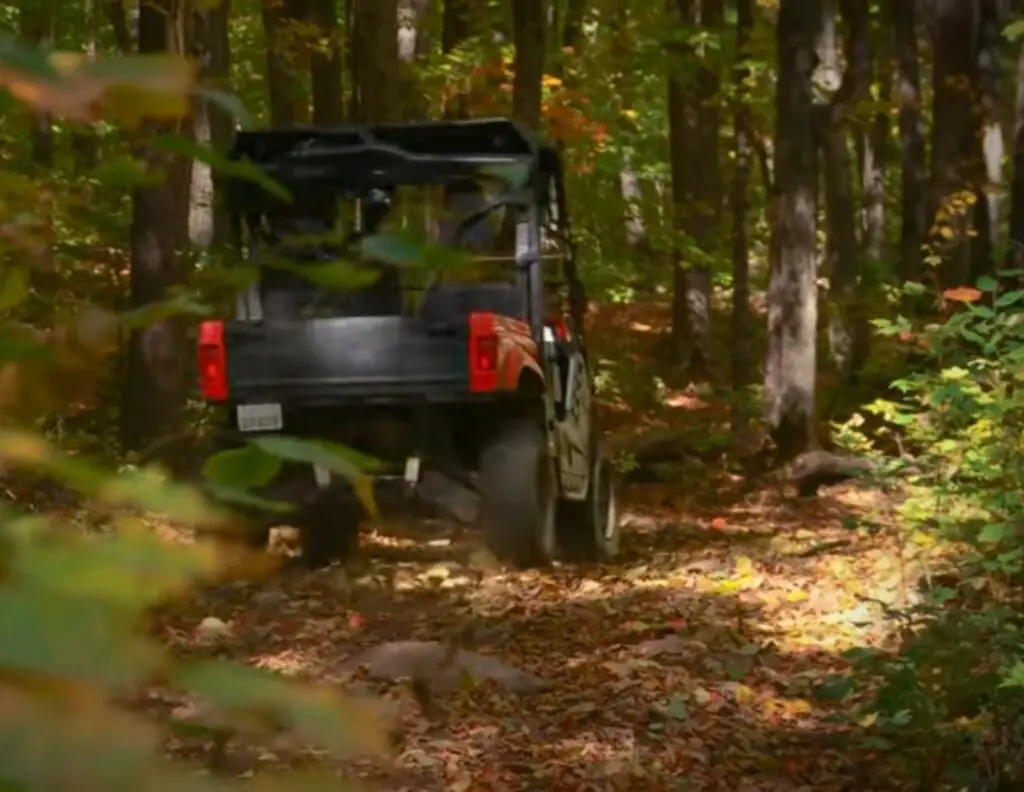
<point>74,603</point>
<point>951,695</point>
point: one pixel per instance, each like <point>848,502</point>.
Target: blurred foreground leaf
<point>269,701</point>
<point>339,460</point>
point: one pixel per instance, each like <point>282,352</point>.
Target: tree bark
<point>289,104</point>
<point>154,392</point>
<point>374,45</point>
<point>325,65</point>
<point>740,203</point>
<point>790,366</point>
<point>528,31</point>
<point>1015,255</point>
<point>989,176</point>
<point>697,201</point>
<point>955,134</point>
<point>846,338</point>
<point>913,173</point>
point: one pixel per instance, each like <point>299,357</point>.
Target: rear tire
<point>329,530</point>
<point>518,494</point>
<point>588,530</point>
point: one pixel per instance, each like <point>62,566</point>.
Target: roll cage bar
<point>322,164</point>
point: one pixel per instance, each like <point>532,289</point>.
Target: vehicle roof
<point>355,159</point>
<point>497,137</point>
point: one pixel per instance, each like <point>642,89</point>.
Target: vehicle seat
<point>446,300</point>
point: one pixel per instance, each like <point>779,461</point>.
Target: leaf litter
<point>693,663</point>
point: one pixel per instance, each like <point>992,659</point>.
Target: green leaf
<point>239,497</point>
<point>913,288</point>
<point>72,638</point>
<point>677,709</point>
<point>993,533</point>
<point>242,468</point>
<point>30,61</point>
<point>988,284</point>
<point>836,689</point>
<point>1009,298</point>
<point>335,458</point>
<point>244,170</point>
<point>335,275</point>
<point>1014,30</point>
<point>130,571</point>
<point>148,491</point>
<point>13,286</point>
<point>340,725</point>
<point>224,100</point>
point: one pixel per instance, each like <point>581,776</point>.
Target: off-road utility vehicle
<point>480,379</point>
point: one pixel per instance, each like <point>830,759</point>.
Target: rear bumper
<point>357,393</point>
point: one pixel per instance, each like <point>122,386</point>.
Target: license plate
<point>259,417</point>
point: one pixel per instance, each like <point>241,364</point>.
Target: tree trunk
<point>456,29</point>
<point>413,47</point>
<point>913,173</point>
<point>289,104</point>
<point>793,292</point>
<point>374,46</point>
<point>840,205</point>
<point>875,142</point>
<point>1015,255</point>
<point>325,65</point>
<point>528,31</point>
<point>988,208</point>
<point>698,199</point>
<point>955,134</point>
<point>36,23</point>
<point>154,392</point>
<point>84,142</point>
<point>740,201</point>
<point>634,242</point>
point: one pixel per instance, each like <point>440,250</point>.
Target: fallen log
<point>815,469</point>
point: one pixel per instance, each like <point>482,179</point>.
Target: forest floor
<point>705,658</point>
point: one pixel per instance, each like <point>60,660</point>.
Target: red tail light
<point>212,361</point>
<point>483,353</point>
<point>486,358</point>
<point>558,327</point>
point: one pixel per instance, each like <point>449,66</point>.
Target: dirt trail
<point>696,662</point>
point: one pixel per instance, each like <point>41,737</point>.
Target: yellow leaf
<point>796,595</point>
<point>744,566</point>
<point>922,539</point>
<point>743,694</point>
<point>629,115</point>
<point>550,81</point>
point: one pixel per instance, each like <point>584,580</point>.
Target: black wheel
<point>588,530</point>
<point>329,530</point>
<point>518,494</point>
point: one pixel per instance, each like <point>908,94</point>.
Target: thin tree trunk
<point>740,203</point>
<point>1015,254</point>
<point>154,392</point>
<point>913,172</point>
<point>528,30</point>
<point>325,65</point>
<point>955,128</point>
<point>289,104</point>
<point>988,208</point>
<point>374,45</point>
<point>790,365</point>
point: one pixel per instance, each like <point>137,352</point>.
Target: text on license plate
<point>259,417</point>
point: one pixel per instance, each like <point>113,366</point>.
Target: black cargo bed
<point>336,360</point>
